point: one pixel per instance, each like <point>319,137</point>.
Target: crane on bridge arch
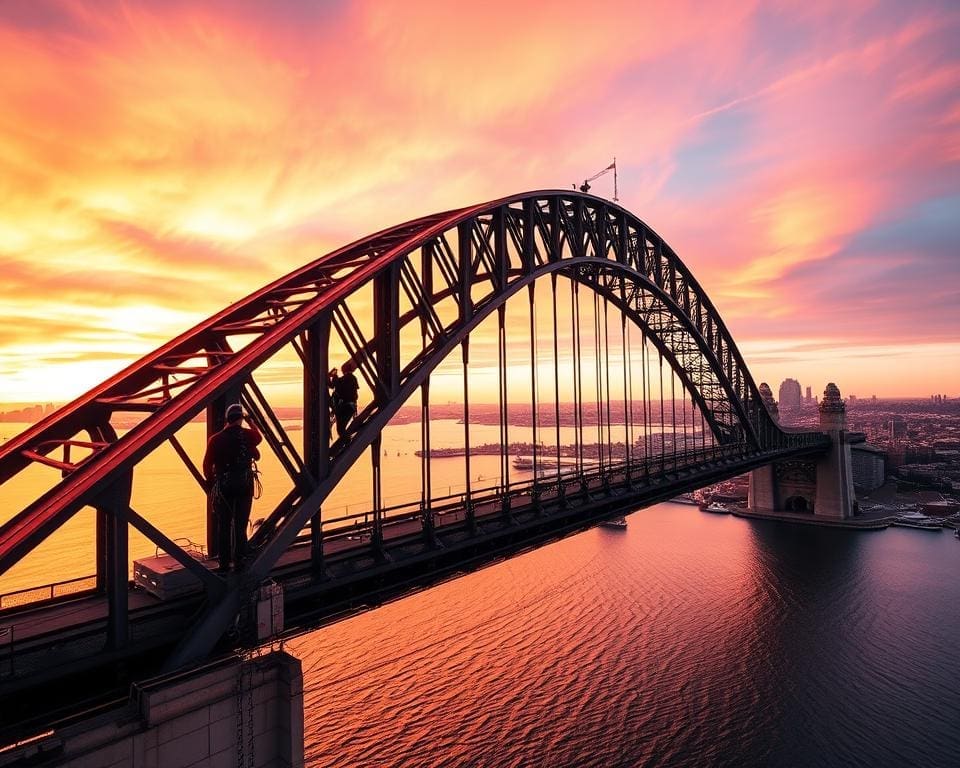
<point>585,186</point>
<point>431,283</point>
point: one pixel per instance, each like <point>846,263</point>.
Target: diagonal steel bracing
<point>440,276</point>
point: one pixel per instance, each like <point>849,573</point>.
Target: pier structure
<point>820,485</point>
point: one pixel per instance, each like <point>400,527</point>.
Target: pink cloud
<point>832,151</point>
<point>243,139</point>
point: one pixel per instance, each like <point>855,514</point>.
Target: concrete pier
<point>763,494</point>
<point>823,487</point>
<point>835,494</point>
<point>232,712</point>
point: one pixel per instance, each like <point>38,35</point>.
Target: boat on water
<point>716,506</point>
<point>915,519</point>
<point>545,465</point>
<point>620,523</point>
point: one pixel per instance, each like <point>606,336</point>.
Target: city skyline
<point>161,162</point>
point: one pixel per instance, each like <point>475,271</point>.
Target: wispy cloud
<point>165,159</point>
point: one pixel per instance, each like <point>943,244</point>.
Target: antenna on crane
<point>585,187</point>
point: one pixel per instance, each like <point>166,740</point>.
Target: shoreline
<point>860,523</point>
<point>853,523</point>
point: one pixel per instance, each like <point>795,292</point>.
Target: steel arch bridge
<point>399,303</point>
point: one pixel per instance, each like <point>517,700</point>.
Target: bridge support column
<point>113,560</point>
<point>316,422</point>
<point>835,494</point>
<point>763,494</point>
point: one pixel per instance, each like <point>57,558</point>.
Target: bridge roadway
<point>53,660</point>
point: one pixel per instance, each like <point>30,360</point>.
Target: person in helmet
<point>228,466</point>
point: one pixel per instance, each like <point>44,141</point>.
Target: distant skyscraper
<point>809,395</point>
<point>789,394</point>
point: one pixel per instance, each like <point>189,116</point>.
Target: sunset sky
<point>159,160</point>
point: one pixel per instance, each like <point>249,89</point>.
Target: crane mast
<point>585,187</point>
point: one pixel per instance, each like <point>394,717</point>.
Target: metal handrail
<point>361,523</point>
<point>45,592</point>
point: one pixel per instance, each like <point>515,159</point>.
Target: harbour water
<point>688,639</point>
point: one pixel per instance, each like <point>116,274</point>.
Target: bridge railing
<point>547,483</point>
<point>359,525</point>
<point>45,592</point>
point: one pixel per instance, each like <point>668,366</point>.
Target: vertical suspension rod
<point>465,354</point>
<point>426,487</point>
<point>673,414</point>
<point>627,394</point>
<point>533,379</point>
<point>556,370</point>
<point>598,377</point>
<point>703,434</point>
<point>662,415</point>
<point>577,376</point>
<point>645,382</point>
<point>606,365</point>
<point>426,462</point>
<point>504,410</point>
<point>316,421</point>
<point>376,535</point>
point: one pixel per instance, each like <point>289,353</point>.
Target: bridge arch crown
<point>507,244</point>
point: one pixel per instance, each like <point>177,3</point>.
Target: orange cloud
<point>174,157</point>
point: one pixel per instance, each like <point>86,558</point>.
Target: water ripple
<point>690,640</point>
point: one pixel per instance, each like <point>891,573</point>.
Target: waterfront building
<point>868,464</point>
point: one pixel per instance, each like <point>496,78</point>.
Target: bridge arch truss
<point>424,286</point>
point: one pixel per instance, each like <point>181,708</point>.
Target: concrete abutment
<point>824,486</point>
<point>230,712</point>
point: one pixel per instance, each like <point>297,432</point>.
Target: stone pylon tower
<point>835,494</point>
<point>763,494</point>
<point>771,405</point>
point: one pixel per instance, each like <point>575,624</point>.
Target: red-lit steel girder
<point>475,257</point>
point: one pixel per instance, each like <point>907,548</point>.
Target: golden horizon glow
<point>160,161</point>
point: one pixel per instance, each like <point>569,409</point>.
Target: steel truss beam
<point>445,274</point>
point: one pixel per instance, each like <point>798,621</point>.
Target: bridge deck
<point>49,618</point>
<point>62,646</point>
